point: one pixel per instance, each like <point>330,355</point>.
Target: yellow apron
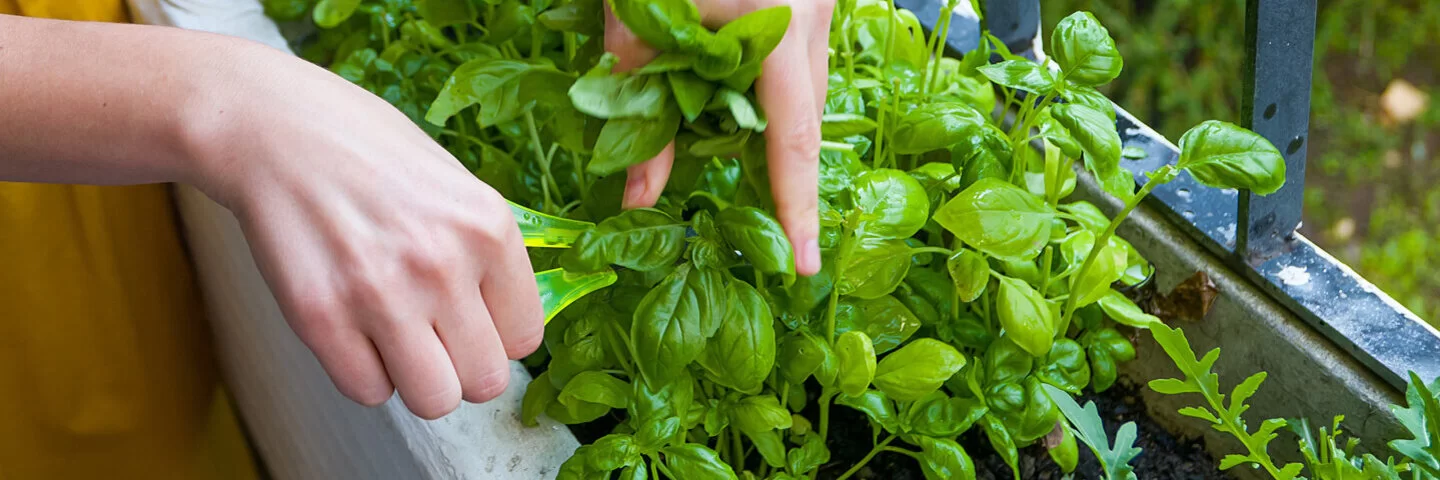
<point>105,363</point>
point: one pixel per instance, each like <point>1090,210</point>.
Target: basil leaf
<point>656,21</point>
<point>856,354</point>
<point>759,414</point>
<point>999,219</point>
<point>875,405</point>
<point>642,239</point>
<point>588,396</point>
<point>286,10</point>
<point>696,461</point>
<point>934,126</point>
<point>939,415</point>
<point>892,204</point>
<point>1065,366</point>
<point>874,268</point>
<point>841,125</point>
<point>1000,440</point>
<point>656,432</point>
<point>809,455</point>
<point>1120,309</point>
<point>613,451</point>
<point>539,394</point>
<point>1224,155</point>
<point>1084,50</point>
<point>670,398</point>
<point>691,93</point>
<point>1020,75</point>
<point>970,273</point>
<point>941,175</point>
<point>673,320</point>
<point>604,95</point>
<point>627,141</point>
<point>1096,135</point>
<point>838,171</point>
<point>942,459</point>
<point>1092,98</point>
<point>742,352</point>
<point>716,56</point>
<point>1067,454</point>
<point>884,320</point>
<point>1107,268</point>
<point>1026,316</point>
<point>802,355</point>
<point>668,62</point>
<point>329,13</point>
<point>917,369</point>
<point>759,238</point>
<point>742,110</point>
<point>584,17</point>
<point>495,84</point>
<point>444,13</point>
<point>983,144</point>
<point>759,32</point>
<point>770,447</point>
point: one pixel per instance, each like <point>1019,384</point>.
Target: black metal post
<point>1015,22</point>
<point>1280,37</point>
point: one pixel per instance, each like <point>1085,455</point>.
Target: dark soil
<point>1165,456</point>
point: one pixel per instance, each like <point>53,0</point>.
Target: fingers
<point>787,90</point>
<point>511,296</point>
<point>645,181</point>
<point>352,363</point>
<point>475,349</point>
<point>631,51</point>
<point>420,367</point>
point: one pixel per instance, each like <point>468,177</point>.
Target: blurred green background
<point>1372,194</point>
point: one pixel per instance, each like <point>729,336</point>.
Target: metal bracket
<point>1280,39</point>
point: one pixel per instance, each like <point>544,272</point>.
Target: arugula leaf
<point>1087,426</point>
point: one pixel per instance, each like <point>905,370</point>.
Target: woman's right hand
<point>394,264</point>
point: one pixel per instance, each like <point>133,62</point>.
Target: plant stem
<point>737,450</point>
<point>861,464</point>
<point>901,451</point>
<point>1162,176</point>
<point>895,96</point>
<point>940,250</point>
<point>1045,269</point>
<point>550,205</point>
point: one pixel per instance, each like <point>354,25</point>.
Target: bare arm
<point>398,268</point>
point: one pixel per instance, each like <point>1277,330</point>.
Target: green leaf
<point>444,13</point>
<point>809,455</point>
<point>695,461</point>
<point>934,126</point>
<point>759,32</point>
<point>584,17</point>
<point>495,84</point>
<point>758,237</point>
<point>841,125</point>
<point>672,322</point>
<point>742,352</point>
<point>657,21</point>
<point>856,354</point>
<point>1020,75</point>
<point>939,415</point>
<point>329,13</point>
<point>1224,155</point>
<point>875,405</point>
<point>1084,50</point>
<point>802,355</point>
<point>589,396</point>
<point>1065,366</point>
<point>1006,362</point>
<point>1114,460</point>
<point>1067,454</point>
<point>998,219</point>
<point>1120,309</point>
<point>884,320</point>
<point>917,369</point>
<point>1026,316</point>
<point>1092,98</point>
<point>1106,269</point>
<point>1002,443</point>
<point>758,414</point>
<point>741,110</point>
<point>642,239</point>
<point>716,56</point>
<point>770,446</point>
<point>874,268</point>
<point>627,141</point>
<point>613,451</point>
<point>559,289</point>
<point>983,147</point>
<point>892,204</point>
<point>657,431</point>
<point>539,395</point>
<point>602,94</point>
<point>970,272</point>
<point>937,177</point>
<point>691,93</point>
<point>671,398</point>
<point>943,459</point>
<point>1095,133</point>
<point>286,10</point>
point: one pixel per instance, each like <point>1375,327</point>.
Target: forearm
<point>108,104</point>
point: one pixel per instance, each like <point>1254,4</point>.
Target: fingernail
<point>634,190</point>
<point>811,255</point>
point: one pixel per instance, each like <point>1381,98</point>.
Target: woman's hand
<point>394,264</point>
<point>791,89</point>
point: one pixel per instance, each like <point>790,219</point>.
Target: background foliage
<point>1373,184</point>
